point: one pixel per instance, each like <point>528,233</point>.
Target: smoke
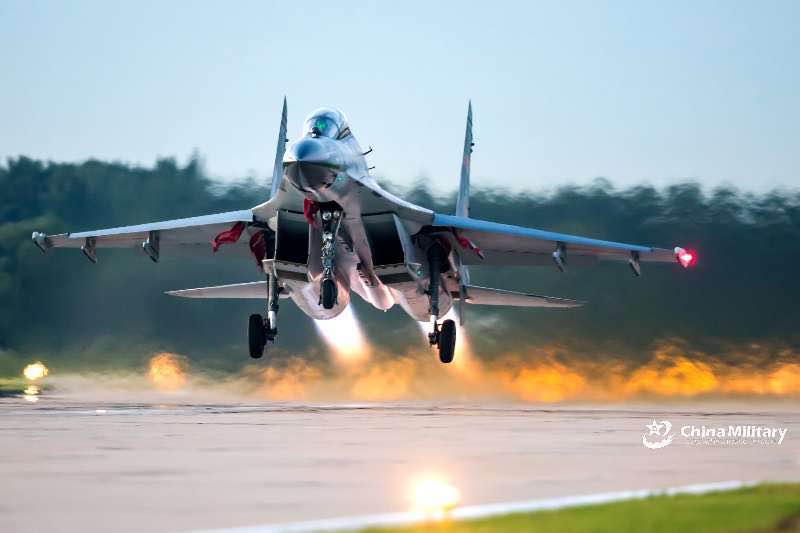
<point>167,371</point>
<point>541,374</point>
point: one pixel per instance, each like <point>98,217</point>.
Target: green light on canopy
<point>321,124</point>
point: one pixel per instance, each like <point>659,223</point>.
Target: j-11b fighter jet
<point>328,229</point>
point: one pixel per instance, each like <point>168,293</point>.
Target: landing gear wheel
<point>328,295</point>
<point>256,336</point>
<point>447,341</point>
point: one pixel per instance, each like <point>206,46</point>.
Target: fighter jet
<point>328,230</point>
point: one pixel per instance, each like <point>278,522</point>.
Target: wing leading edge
<point>505,244</point>
<point>182,232</point>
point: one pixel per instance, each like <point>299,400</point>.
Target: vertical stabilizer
<point>462,203</point>
<point>277,169</point>
<point>462,210</point>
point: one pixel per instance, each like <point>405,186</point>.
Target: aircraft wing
<point>487,296</point>
<point>254,289</point>
<point>186,233</point>
<point>491,243</point>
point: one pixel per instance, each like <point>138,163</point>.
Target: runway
<point>74,464</point>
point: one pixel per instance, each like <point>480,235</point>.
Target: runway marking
<point>350,523</point>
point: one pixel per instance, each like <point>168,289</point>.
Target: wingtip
<point>41,241</point>
<point>685,258</point>
<point>178,293</point>
<point>566,303</point>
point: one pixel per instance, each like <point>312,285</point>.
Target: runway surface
<point>72,464</point>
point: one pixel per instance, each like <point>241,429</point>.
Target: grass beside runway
<point>759,509</point>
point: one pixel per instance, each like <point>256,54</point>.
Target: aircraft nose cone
<point>308,151</point>
<point>312,163</point>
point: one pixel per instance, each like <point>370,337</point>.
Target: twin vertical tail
<point>462,210</point>
<point>277,169</point>
<point>462,203</point>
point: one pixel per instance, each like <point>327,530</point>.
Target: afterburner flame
<point>167,371</point>
<point>433,495</point>
<point>343,336</point>
<point>35,371</point>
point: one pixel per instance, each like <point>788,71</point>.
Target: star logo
<point>656,429</point>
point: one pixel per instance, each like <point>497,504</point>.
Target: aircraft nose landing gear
<point>331,218</point>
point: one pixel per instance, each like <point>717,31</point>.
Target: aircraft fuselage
<point>330,171</point>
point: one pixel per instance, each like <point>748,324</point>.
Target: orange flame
<point>543,382</point>
<point>167,371</point>
<point>544,374</point>
<point>290,381</point>
<point>673,370</point>
<point>388,380</point>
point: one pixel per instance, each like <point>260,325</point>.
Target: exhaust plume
<point>343,336</point>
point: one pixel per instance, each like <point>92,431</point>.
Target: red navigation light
<point>686,258</point>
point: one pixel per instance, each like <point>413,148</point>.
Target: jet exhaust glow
<point>343,336</point>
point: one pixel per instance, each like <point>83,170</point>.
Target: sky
<point>563,92</point>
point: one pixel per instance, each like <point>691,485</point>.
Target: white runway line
<point>350,523</point>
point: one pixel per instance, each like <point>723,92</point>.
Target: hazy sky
<point>562,91</point>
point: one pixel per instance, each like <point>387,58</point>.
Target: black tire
<point>328,293</point>
<point>256,336</point>
<point>447,341</point>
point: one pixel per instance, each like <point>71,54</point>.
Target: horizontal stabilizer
<point>255,290</point>
<point>487,296</point>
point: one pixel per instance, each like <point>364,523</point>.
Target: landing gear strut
<point>331,219</point>
<point>262,331</point>
<point>445,336</point>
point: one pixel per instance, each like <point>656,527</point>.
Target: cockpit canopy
<point>326,122</point>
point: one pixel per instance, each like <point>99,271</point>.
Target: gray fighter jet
<point>328,229</point>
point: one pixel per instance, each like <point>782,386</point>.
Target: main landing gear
<point>331,219</point>
<point>445,336</point>
<point>263,331</point>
